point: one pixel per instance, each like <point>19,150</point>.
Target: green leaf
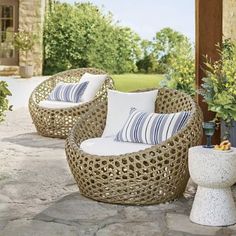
<point>4,93</point>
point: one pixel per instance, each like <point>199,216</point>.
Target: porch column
<point>208,34</point>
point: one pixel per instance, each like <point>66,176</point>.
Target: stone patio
<point>38,196</point>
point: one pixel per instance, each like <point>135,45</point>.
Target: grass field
<point>130,82</point>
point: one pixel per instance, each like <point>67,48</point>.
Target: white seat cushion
<point>57,104</point>
<point>119,105</point>
<point>109,147</point>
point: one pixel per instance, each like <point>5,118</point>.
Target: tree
<point>148,62</point>
<point>147,47</point>
<point>180,73</point>
<point>81,36</point>
<point>166,44</point>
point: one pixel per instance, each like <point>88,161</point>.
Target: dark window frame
<point>13,61</point>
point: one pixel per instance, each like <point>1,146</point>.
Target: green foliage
<point>51,4</point>
<point>148,64</point>
<point>132,82</point>
<point>170,53</point>
<point>4,92</point>
<point>219,87</point>
<point>181,70</point>
<point>81,36</point>
<point>166,45</point>
<point>25,41</point>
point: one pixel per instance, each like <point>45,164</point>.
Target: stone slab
<point>38,228</point>
<point>77,208</point>
<point>179,222</point>
<point>131,229</point>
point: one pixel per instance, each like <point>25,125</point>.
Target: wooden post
<point>208,34</point>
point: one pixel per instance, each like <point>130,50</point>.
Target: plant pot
<point>232,138</point>
<point>26,71</point>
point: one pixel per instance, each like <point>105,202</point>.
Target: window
<point>8,25</point>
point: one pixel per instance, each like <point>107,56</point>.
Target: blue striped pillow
<point>151,128</point>
<point>68,92</point>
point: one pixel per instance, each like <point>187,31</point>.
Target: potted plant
<point>219,88</point>
<point>25,41</point>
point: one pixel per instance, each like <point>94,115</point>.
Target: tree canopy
<point>81,35</point>
<point>167,44</point>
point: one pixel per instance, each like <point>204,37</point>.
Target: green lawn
<point>131,82</point>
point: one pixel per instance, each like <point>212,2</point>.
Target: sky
<point>146,17</point>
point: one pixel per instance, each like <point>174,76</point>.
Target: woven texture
<point>154,175</point>
<point>58,122</point>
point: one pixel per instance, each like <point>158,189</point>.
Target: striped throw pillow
<point>151,128</point>
<point>68,92</point>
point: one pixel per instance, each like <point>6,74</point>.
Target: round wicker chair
<point>57,123</point>
<point>154,175</point>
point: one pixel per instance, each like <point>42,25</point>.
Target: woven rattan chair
<point>154,175</point>
<point>58,122</point>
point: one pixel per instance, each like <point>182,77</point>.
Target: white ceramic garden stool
<point>214,172</point>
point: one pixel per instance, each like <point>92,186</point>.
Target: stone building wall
<point>31,17</point>
<point>229,19</point>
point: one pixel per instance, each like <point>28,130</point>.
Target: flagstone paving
<point>38,196</point>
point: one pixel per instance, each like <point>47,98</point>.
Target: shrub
<point>4,92</point>
<point>148,64</point>
<point>181,70</point>
<point>81,36</point>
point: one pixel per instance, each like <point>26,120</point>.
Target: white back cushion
<point>94,85</point>
<point>119,105</point>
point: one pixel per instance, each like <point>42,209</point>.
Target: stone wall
<point>31,17</point>
<point>229,19</point>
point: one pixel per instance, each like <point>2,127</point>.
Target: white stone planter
<point>26,71</point>
<point>214,172</point>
